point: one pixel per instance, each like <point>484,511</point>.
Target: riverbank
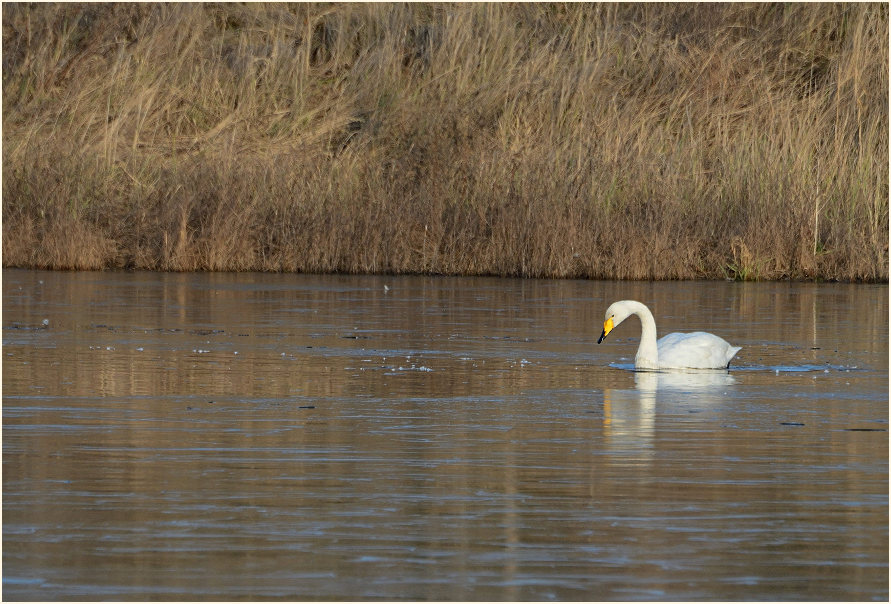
<point>615,141</point>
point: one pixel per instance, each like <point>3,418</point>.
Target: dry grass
<point>632,141</point>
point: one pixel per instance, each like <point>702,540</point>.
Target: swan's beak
<point>607,327</point>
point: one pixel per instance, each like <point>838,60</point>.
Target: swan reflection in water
<point>629,415</point>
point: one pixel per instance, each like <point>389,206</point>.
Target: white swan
<point>697,350</point>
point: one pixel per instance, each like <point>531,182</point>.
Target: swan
<point>697,350</point>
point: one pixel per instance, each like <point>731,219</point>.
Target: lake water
<point>262,436</point>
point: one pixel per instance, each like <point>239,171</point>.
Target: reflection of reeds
<point>622,141</point>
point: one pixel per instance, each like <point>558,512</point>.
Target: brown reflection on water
<point>177,436</point>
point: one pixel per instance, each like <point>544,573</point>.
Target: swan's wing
<point>696,350</point>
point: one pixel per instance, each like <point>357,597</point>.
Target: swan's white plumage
<point>696,350</point>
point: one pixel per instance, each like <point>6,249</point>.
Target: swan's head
<point>615,314</point>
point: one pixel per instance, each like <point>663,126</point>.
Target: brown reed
<point>623,141</point>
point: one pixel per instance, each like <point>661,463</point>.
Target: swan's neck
<point>647,353</point>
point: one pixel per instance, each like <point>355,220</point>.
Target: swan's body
<point>697,350</point>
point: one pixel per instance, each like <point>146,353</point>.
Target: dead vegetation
<point>638,141</point>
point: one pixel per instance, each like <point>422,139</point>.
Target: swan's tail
<point>733,350</point>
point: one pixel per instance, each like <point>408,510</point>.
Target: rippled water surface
<point>252,436</point>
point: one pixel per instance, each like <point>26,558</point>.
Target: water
<point>251,436</point>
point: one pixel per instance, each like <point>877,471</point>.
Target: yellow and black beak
<point>607,327</point>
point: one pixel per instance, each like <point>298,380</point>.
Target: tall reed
<point>632,141</point>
